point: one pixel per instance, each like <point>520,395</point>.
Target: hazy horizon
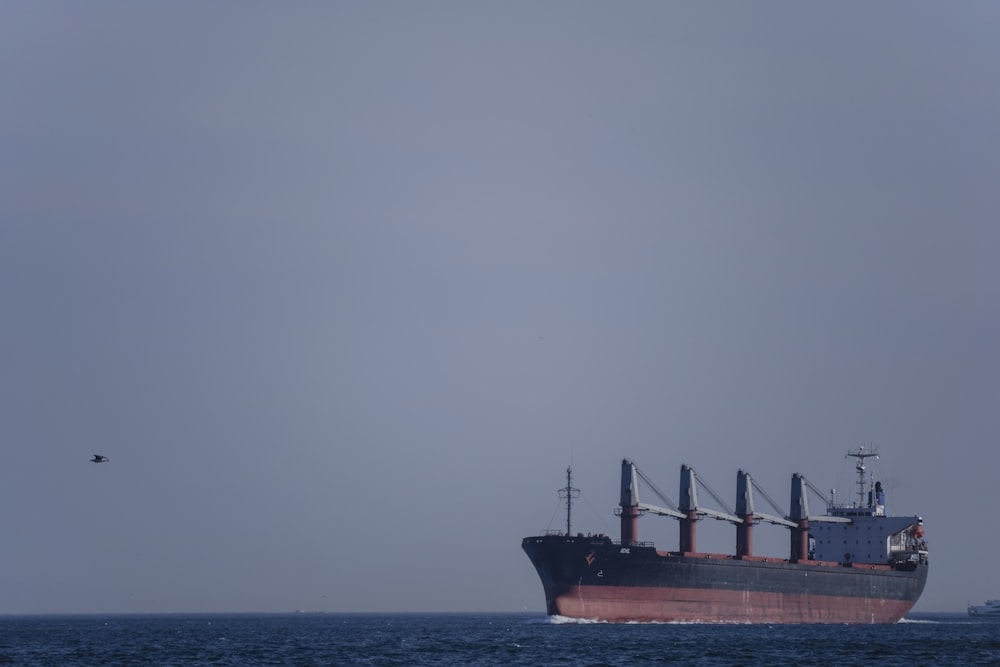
<point>343,288</point>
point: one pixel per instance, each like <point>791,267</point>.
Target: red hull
<point>629,603</point>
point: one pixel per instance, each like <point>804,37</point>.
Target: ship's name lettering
<point>625,550</point>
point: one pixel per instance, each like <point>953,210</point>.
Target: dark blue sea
<point>481,639</point>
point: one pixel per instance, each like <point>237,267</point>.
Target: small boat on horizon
<point>988,608</point>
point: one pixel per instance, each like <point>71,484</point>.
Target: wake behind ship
<point>854,564</point>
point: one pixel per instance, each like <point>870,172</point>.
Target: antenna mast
<point>860,454</point>
<point>569,493</point>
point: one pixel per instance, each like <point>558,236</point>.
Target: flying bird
<point>99,459</point>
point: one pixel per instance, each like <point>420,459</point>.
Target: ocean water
<point>482,639</point>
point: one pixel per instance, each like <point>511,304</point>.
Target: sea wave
<point>566,620</point>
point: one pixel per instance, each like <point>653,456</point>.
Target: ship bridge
<point>866,534</point>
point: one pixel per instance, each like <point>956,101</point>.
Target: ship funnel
<point>629,503</point>
<point>876,499</point>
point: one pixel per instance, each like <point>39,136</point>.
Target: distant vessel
<point>988,608</point>
<point>852,565</point>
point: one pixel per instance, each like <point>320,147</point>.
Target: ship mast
<point>860,454</point>
<point>569,493</point>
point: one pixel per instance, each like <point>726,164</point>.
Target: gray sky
<point>342,288</point>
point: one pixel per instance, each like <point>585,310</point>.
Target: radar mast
<point>863,479</point>
<point>569,493</point>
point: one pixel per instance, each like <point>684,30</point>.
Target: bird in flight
<point>99,459</point>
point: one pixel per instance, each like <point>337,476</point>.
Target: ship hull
<point>595,578</point>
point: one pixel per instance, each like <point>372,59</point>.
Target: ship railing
<point>633,544</point>
<point>586,536</point>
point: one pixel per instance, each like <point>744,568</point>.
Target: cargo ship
<point>854,564</point>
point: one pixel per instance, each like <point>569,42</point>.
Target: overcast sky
<point>342,288</point>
